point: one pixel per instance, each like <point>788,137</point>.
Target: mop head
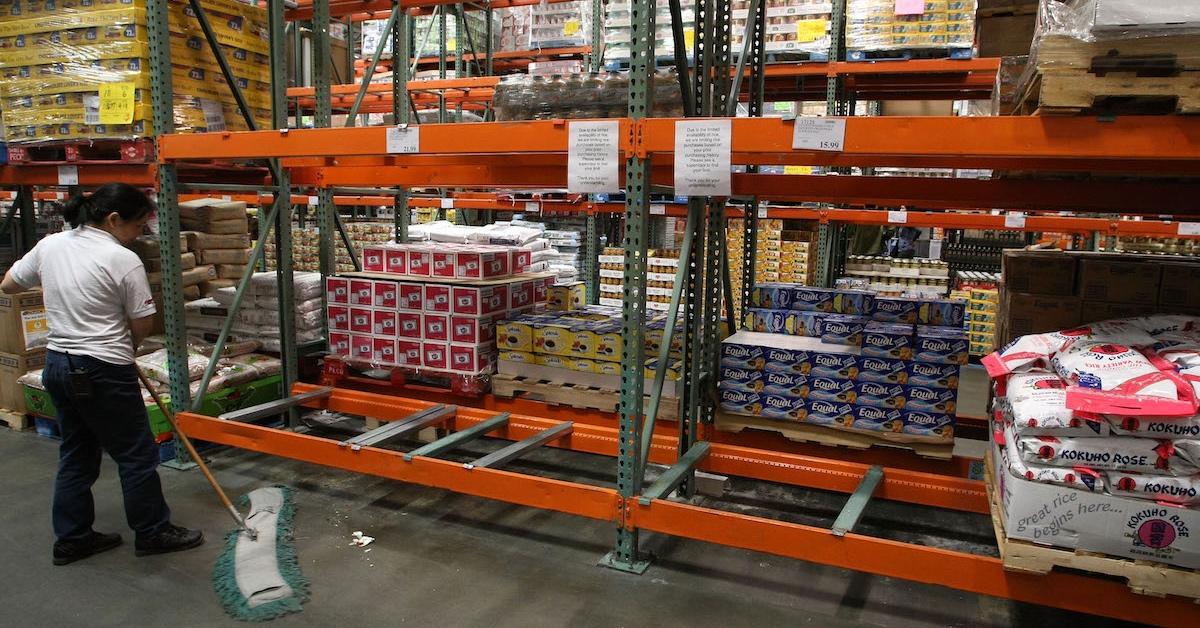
<point>259,579</point>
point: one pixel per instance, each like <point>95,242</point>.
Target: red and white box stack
<point>459,261</point>
<point>437,322</point>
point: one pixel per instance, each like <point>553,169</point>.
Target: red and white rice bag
<point>1081,477</point>
<point>1162,323</point>
<point>1183,490</point>
<point>1115,453</point>
<point>1181,348</point>
<point>1115,367</point>
<point>1175,428</point>
<point>1037,350</point>
<point>1035,403</point>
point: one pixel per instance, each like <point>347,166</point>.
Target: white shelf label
<point>658,210</point>
<point>762,211</point>
<point>68,175</point>
<point>819,134</point>
<point>898,217</point>
<point>404,139</point>
<point>228,198</point>
<point>447,203</point>
<point>1014,220</point>
<point>702,158</point>
<point>1189,228</point>
<point>592,163</point>
<point>533,206</point>
<point>313,200</point>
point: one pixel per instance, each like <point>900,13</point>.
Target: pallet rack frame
<point>305,157</point>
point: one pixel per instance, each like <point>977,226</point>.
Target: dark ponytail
<point>127,201</point>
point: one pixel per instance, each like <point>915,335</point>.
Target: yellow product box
<point>607,346</point>
<point>126,49</point>
<point>981,348</point>
<point>65,115</point>
<point>553,361</point>
<point>979,294</point>
<point>521,357</point>
<point>769,276</point>
<point>566,297</point>
<point>769,265</point>
<point>982,327</point>
<point>515,335</point>
<point>674,369</point>
<point>608,368</point>
<point>559,338</point>
<point>979,305</point>
<point>583,365</point>
<point>982,337</point>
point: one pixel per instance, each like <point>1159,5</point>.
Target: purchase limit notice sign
<point>702,157</point>
<point>592,157</point>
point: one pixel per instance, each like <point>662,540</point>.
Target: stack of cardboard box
<point>23,337</point>
<point>1046,291</point>
<point>218,233</point>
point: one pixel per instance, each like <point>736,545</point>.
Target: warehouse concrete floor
<point>452,560</point>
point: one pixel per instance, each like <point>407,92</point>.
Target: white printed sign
<point>592,157</point>
<point>68,175</point>
<point>819,134</point>
<point>447,203</point>
<point>703,157</point>
<point>403,139</point>
<point>91,109</point>
<point>1189,228</point>
<point>658,210</point>
<point>533,206</point>
<point>214,115</point>
<point>898,217</point>
<point>1014,220</point>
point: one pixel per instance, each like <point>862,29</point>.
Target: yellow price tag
<point>811,30</point>
<point>689,38</point>
<point>571,27</point>
<point>797,170</point>
<point>452,44</point>
<point>116,103</point>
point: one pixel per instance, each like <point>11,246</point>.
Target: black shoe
<point>172,539</point>
<point>67,552</point>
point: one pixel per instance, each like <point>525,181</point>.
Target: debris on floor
<point>360,539</point>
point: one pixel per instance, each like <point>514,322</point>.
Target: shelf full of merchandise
<point>520,154</point>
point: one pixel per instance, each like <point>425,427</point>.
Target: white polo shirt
<point>93,286</point>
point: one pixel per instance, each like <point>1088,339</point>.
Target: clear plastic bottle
<point>507,96</point>
<point>539,104</point>
<point>616,95</point>
<point>555,94</point>
<point>591,93</point>
<point>572,101</point>
<point>668,100</point>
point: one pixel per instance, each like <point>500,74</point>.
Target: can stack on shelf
<point>76,71</point>
<point>890,276</point>
<point>847,360</point>
<point>874,26</point>
<point>306,244</point>
<point>662,265</point>
<point>794,27</point>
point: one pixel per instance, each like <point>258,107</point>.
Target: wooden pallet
<point>821,435</point>
<point>1143,577</point>
<point>1068,92</point>
<point>572,395</point>
<point>101,151</point>
<point>16,421</point>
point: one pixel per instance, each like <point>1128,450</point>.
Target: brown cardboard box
<point>1116,278</point>
<point>223,256</point>
<point>1095,311</point>
<point>12,366</point>
<point>230,271</point>
<point>187,261</point>
<point>23,326</point>
<point>147,247</point>
<point>191,293</point>
<point>1005,36</point>
<point>1039,272</point>
<point>198,241</point>
<point>1179,289</point>
<point>218,227</point>
<point>210,210</point>
<point>1034,314</point>
<point>916,108</point>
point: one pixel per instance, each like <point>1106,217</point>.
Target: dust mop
<point>257,576</point>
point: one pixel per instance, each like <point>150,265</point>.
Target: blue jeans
<point>112,419</point>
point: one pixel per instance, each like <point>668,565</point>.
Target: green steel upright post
<point>161,90</point>
<point>323,118</point>
<point>442,43</point>
<point>591,243</point>
<point>757,87</point>
<point>625,555</point>
<point>283,198</point>
<point>401,50</point>
<point>460,29</point>
<point>833,91</point>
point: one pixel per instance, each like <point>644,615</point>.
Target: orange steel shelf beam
<point>379,9</point>
<point>958,570</point>
<point>142,175</point>
<point>1157,144</point>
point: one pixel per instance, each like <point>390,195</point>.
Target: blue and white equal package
<point>841,329</point>
<point>741,402</point>
<point>784,407</point>
<point>878,395</point>
<point>883,370</point>
<point>936,400</point>
<point>943,345</point>
<point>855,302</point>
<point>772,296</point>
<point>928,425</point>
<point>785,360</point>
<point>831,389</point>
<point>748,380</point>
<point>836,365</point>
<point>896,310</point>
<point>872,419</point>
<point>771,321</point>
<point>949,312</point>
<point>932,374</point>
<point>808,299</point>
<point>787,384</point>
<point>887,340</point>
<point>807,323</point>
<point>831,413</point>
<point>743,353</point>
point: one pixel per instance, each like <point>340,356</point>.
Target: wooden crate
<point>16,421</point>
<point>821,435</point>
<point>572,395</point>
<point>1143,577</point>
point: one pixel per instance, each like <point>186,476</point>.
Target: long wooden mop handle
<point>187,444</point>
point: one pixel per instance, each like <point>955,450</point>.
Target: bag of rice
<point>1035,404</point>
<point>1037,350</point>
<point>1110,366</point>
<point>1182,490</point>
<point>1080,477</point>
<point>1115,453</point>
